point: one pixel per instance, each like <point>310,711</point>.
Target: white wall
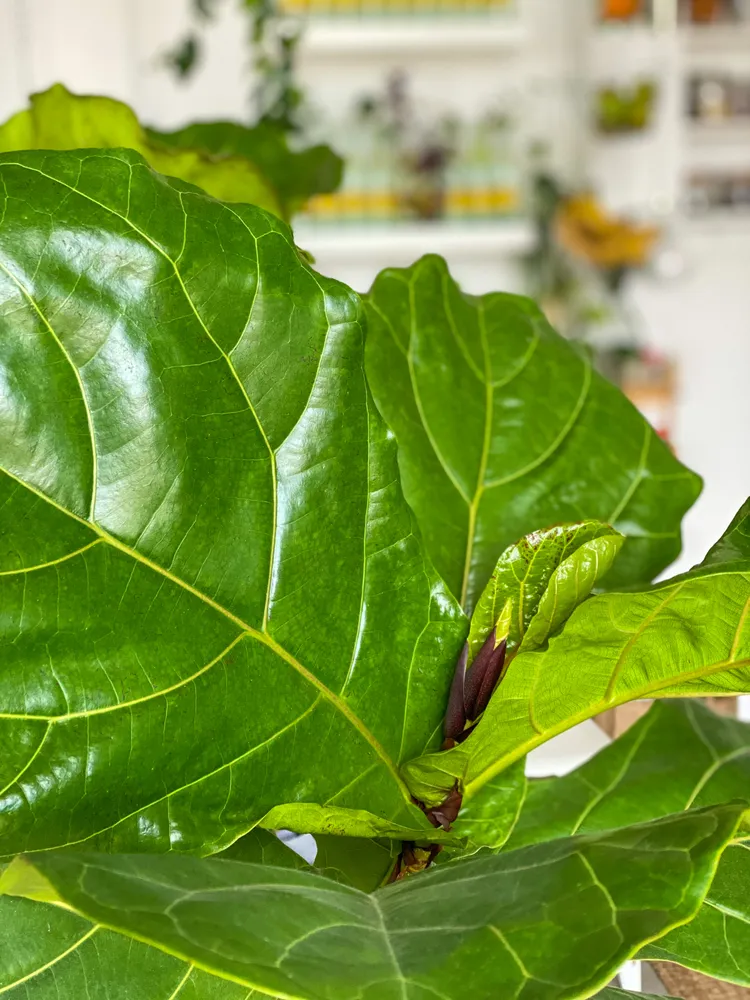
<point>703,320</point>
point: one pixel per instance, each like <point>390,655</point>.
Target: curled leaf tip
<point>455,716</point>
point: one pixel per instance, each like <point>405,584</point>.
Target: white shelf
<point>725,131</point>
<point>717,38</point>
<point>411,240</point>
<point>374,37</point>
<point>718,223</point>
<point>718,230</point>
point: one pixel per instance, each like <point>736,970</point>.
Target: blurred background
<point>592,153</point>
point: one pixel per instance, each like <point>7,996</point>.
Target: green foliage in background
<point>229,161</point>
<point>220,619</point>
<point>297,175</point>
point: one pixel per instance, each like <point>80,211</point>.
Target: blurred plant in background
<point>579,271</point>
<point>230,161</point>
<point>275,139</point>
<point>613,246</point>
<point>626,109</point>
<point>273,44</point>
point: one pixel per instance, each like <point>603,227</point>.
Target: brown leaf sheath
<point>492,675</point>
<point>475,675</point>
<point>455,716</point>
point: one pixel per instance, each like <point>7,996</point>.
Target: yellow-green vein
<point>263,637</point>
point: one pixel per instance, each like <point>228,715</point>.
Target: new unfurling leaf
<point>538,583</point>
<point>535,587</point>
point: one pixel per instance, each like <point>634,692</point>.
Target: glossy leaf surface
<point>689,636</point>
<point>58,119</point>
<point>503,428</point>
<point>215,605</point>
<point>497,925</point>
<point>297,174</point>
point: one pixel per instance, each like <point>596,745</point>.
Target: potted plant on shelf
<point>620,10</point>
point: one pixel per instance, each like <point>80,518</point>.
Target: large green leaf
<point>503,428</point>
<point>552,921</point>
<point>216,610</point>
<point>297,174</point>
<point>679,756</point>
<point>717,941</point>
<point>689,636</point>
<point>58,119</point>
<point>48,953</point>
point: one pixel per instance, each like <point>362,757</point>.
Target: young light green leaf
<point>540,580</point>
<point>185,428</point>
<point>556,920</point>
<point>689,636</point>
<point>503,428</point>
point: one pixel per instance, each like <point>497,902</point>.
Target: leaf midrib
<point>473,502</point>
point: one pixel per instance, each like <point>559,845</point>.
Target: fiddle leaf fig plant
<point>297,174</point>
<point>688,636</point>
<point>221,617</point>
<point>201,505</point>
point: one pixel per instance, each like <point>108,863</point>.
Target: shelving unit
<point>343,57</point>
<point>464,240</point>
<point>720,132</point>
<point>715,38</point>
